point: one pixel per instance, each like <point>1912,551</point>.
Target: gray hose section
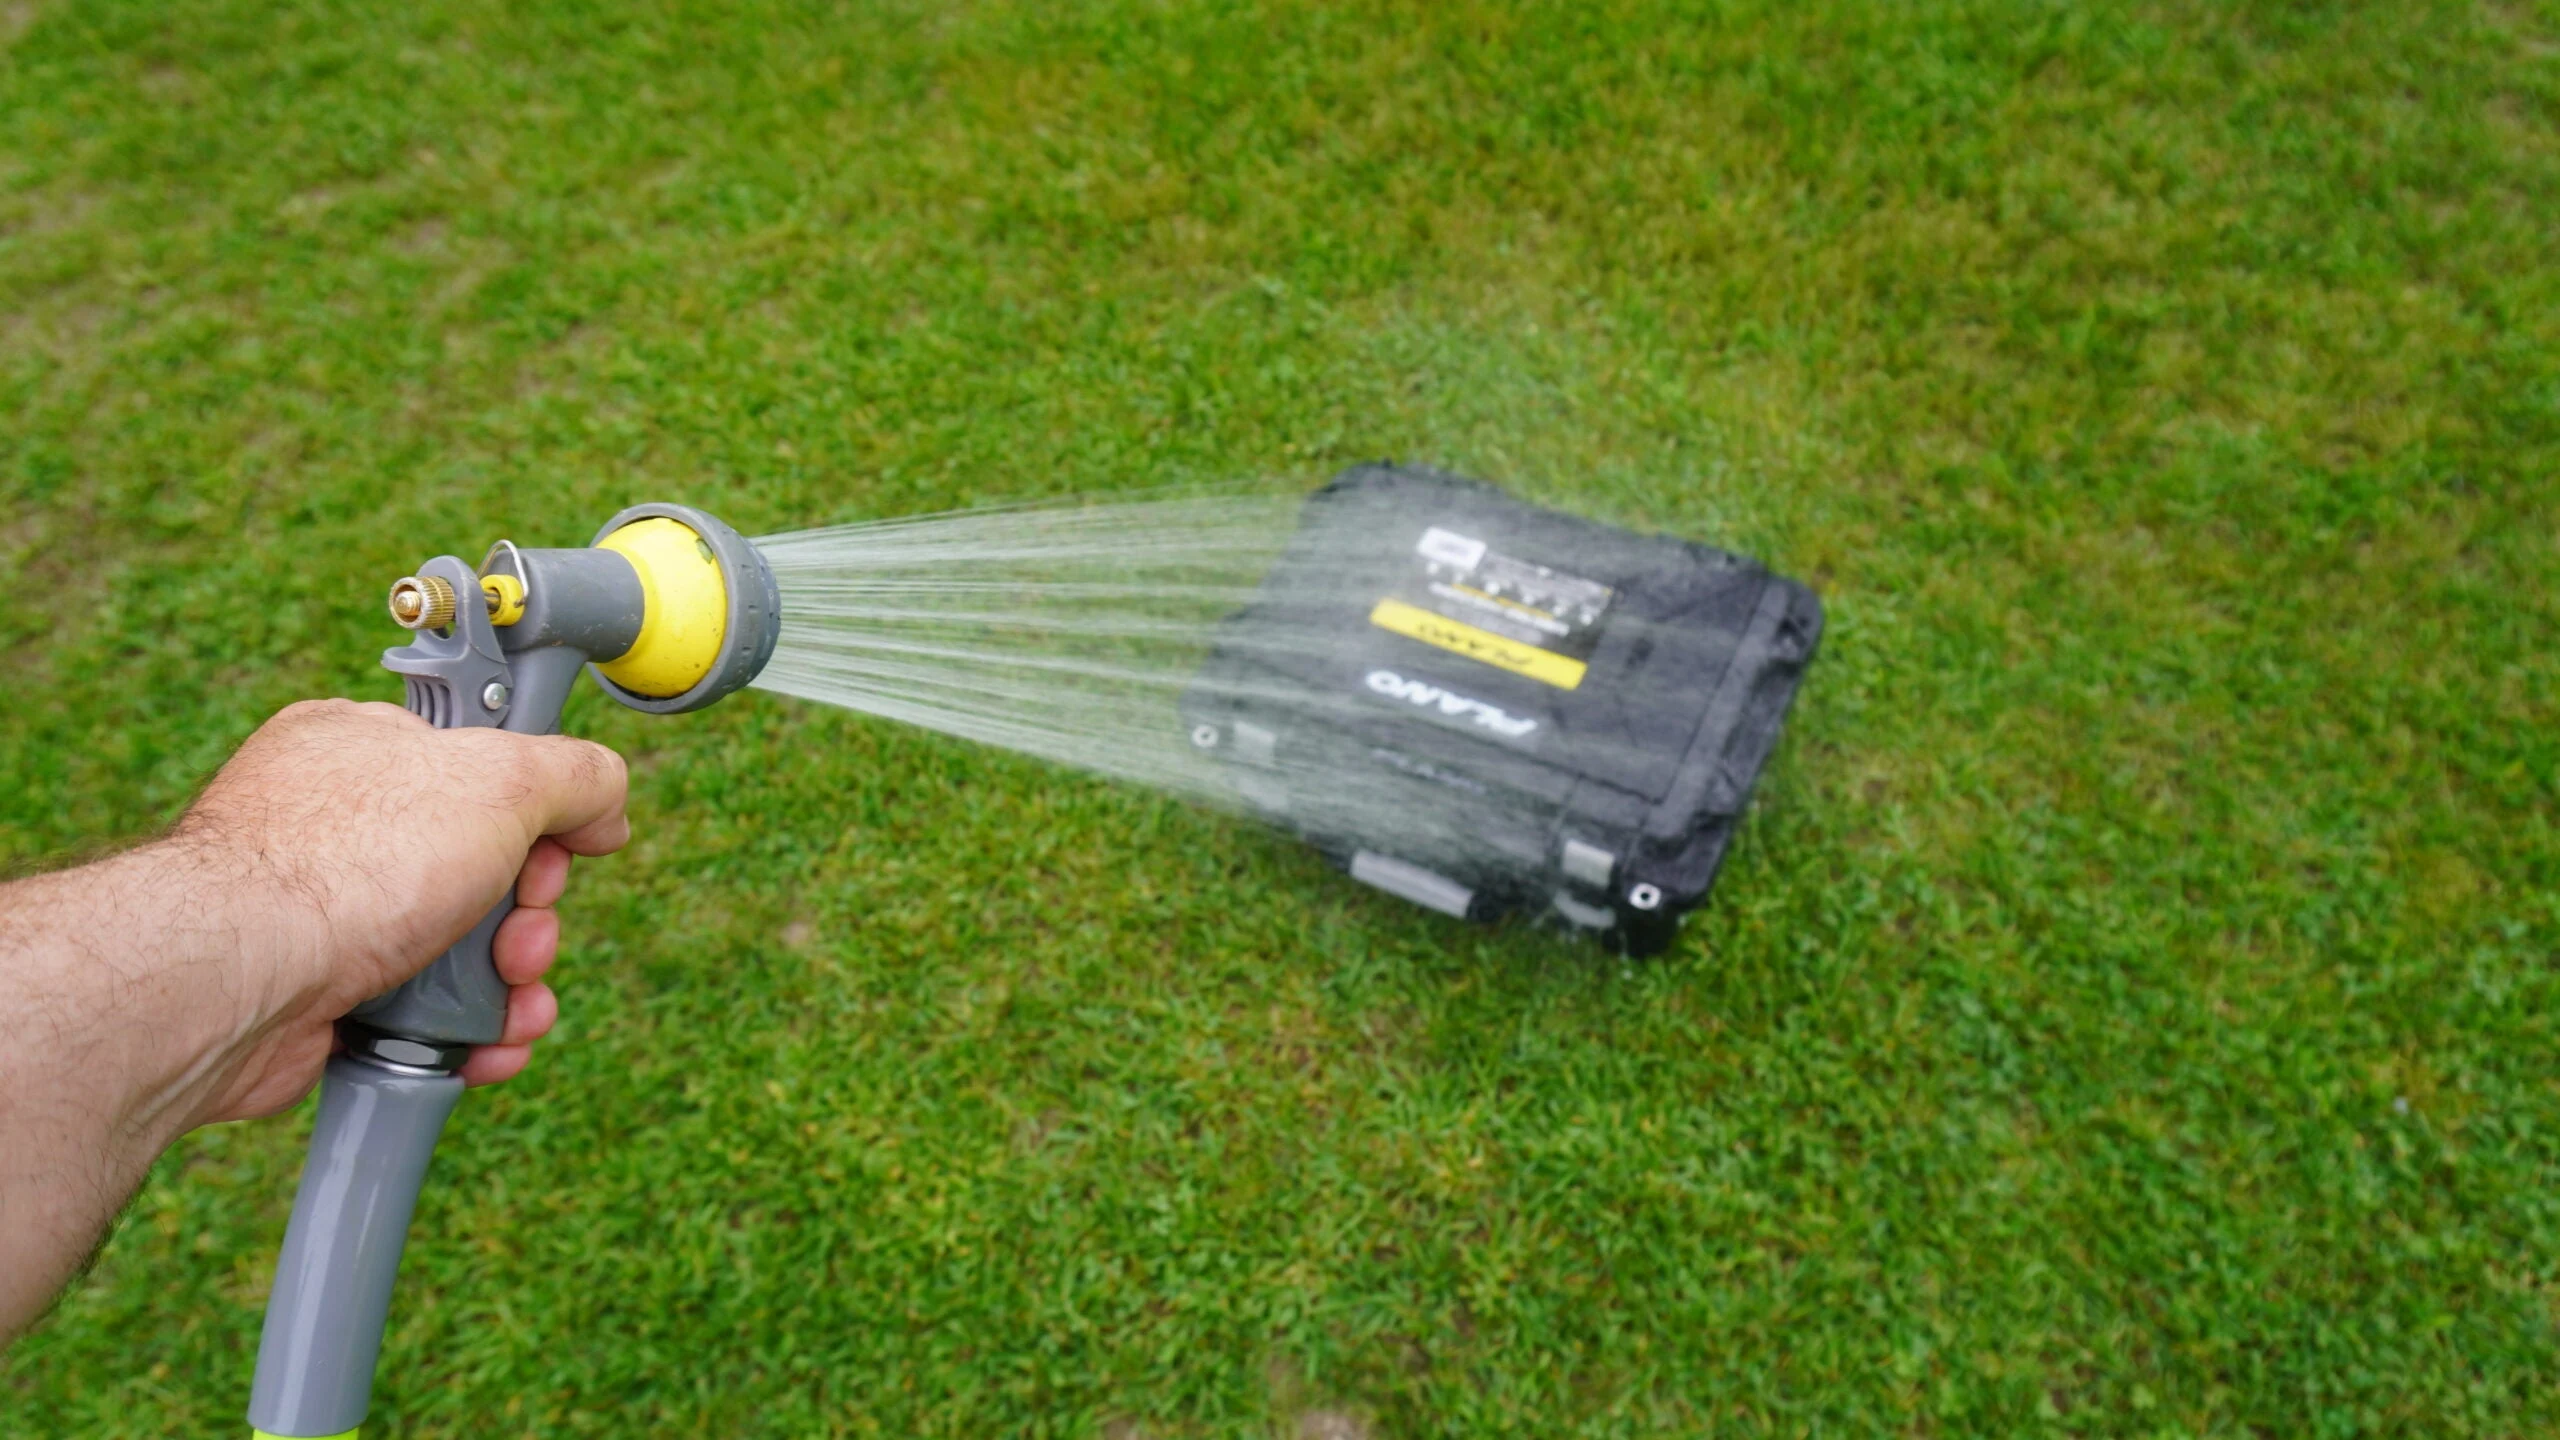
<point>369,1152</point>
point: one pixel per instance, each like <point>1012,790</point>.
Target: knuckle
<point>603,765</point>
<point>581,765</point>
<point>306,712</point>
<point>502,766</point>
<point>520,765</point>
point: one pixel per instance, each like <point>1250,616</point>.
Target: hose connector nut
<point>505,597</point>
<point>421,602</point>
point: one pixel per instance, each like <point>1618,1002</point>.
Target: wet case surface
<point>1492,708</point>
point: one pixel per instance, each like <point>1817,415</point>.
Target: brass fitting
<point>421,603</point>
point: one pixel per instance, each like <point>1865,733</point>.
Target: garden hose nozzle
<point>671,610</point>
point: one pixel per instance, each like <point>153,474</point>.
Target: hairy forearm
<point>129,991</point>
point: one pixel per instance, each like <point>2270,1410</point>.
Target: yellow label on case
<point>1500,651</point>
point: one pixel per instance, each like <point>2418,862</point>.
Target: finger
<point>545,876</point>
<point>601,836</point>
<point>525,945</point>
<point>531,1012</point>
<point>490,1064</point>
<point>575,793</point>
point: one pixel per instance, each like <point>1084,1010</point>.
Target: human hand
<point>199,978</point>
<point>356,844</point>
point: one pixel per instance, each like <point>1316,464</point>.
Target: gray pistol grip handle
<point>459,999</point>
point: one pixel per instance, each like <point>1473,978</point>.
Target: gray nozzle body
<point>579,606</point>
<point>369,1152</point>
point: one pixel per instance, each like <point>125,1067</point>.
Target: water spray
<point>671,610</point>
<point>1482,707</point>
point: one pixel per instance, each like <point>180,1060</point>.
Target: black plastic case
<point>1490,708</point>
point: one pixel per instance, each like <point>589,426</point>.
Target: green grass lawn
<point>2130,1011</point>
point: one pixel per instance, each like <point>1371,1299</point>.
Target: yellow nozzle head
<point>687,608</point>
<point>709,611</point>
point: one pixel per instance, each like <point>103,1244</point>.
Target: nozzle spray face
<point>712,609</point>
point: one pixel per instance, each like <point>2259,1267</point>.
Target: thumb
<point>574,793</point>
